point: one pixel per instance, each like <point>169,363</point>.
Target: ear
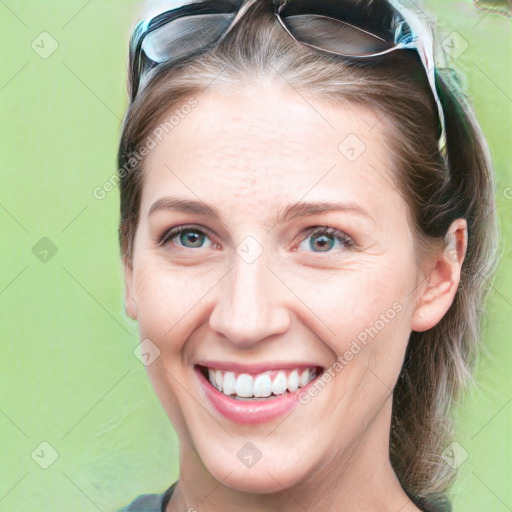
<point>441,278</point>
<point>130,304</point>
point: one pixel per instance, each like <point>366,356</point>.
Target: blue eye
<point>318,239</point>
<point>324,239</point>
<point>186,237</point>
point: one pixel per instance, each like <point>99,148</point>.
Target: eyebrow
<point>293,211</point>
<point>184,205</point>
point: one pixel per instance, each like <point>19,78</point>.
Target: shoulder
<point>145,503</point>
<point>441,504</point>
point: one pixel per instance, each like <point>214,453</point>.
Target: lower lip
<point>253,411</point>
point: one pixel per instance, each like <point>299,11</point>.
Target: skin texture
<point>251,153</point>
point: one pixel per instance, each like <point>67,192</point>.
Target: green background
<point>68,373</point>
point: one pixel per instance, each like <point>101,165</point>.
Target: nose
<point>248,308</point>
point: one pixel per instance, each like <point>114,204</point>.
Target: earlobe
<point>130,304</point>
<point>442,279</point>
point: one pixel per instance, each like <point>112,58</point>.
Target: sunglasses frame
<point>409,34</point>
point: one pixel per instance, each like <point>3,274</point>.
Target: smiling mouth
<point>261,386</point>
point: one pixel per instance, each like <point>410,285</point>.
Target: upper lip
<point>256,368</point>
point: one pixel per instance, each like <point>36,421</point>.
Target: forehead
<point>261,146</point>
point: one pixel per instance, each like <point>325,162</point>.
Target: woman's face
<point>308,262</point>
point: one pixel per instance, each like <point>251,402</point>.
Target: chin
<point>262,480</point>
<point>269,474</point>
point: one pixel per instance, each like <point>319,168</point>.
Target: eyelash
<point>318,231</point>
<point>175,232</point>
<point>325,230</point>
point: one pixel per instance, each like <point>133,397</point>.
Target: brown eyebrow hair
<point>293,211</point>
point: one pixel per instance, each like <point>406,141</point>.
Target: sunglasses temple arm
<point>424,44</point>
<point>427,59</point>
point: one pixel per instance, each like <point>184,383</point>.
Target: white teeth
<point>218,379</point>
<point>262,386</point>
<point>293,381</point>
<point>244,386</point>
<point>279,384</point>
<point>304,378</point>
<point>229,384</point>
<point>211,375</point>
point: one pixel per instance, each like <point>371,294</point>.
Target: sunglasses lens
<point>334,35</point>
<point>184,36</point>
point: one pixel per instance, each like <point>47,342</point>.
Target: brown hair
<point>439,362</point>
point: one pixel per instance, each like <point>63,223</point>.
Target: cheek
<point>348,300</point>
<point>381,309</point>
<point>170,298</point>
<point>363,315</point>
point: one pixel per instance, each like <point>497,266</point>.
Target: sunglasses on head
<point>349,28</point>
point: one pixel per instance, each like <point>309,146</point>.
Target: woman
<point>307,227</point>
